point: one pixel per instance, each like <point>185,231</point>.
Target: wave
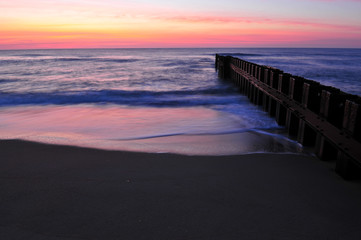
<point>65,59</point>
<point>5,80</point>
<point>30,55</point>
<point>133,98</point>
<point>262,131</point>
<point>116,60</point>
<point>242,54</point>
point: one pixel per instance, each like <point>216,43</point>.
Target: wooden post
<point>306,135</point>
<point>254,94</point>
<point>260,98</point>
<point>242,85</point>
<point>260,73</point>
<point>279,87</point>
<point>272,105</point>
<point>320,116</point>
<point>325,102</point>
<point>281,114</point>
<point>292,123</point>
<point>291,87</point>
<point>270,80</point>
<point>265,78</point>
<point>324,150</point>
<point>305,93</point>
<point>350,116</point>
<point>250,92</point>
<point>265,102</point>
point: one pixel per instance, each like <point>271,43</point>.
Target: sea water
<point>153,100</point>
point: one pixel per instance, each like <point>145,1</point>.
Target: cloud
<point>260,21</point>
<point>105,25</point>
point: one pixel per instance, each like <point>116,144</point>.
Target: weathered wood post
<point>306,135</point>
<point>265,96</point>
<point>281,111</point>
<point>351,117</point>
<point>345,166</point>
<point>305,93</point>
<point>291,89</point>
<point>320,116</point>
<point>292,119</point>
<point>325,103</point>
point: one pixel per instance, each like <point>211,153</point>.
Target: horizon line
<point>103,48</point>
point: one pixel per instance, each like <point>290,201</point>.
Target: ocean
<point>153,100</point>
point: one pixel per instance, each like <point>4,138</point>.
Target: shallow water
<point>154,100</point>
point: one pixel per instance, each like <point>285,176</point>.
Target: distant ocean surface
<point>153,100</point>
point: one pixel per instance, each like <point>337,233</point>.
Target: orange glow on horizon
<point>98,25</point>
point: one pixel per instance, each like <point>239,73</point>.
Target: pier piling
<point>318,116</point>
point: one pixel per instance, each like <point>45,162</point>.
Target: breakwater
<point>319,116</point>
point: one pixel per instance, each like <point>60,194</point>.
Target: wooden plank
<point>340,139</point>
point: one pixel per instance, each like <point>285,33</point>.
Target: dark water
<point>158,100</point>
<point>340,68</point>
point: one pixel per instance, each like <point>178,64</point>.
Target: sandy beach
<point>61,192</point>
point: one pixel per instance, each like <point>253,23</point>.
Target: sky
<point>41,24</point>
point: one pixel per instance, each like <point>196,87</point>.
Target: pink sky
<point>179,23</point>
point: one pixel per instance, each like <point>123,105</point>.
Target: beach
<point>119,144</point>
<point>180,120</point>
<point>64,192</point>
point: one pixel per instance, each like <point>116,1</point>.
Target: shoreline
<point>64,192</point>
<point>145,130</point>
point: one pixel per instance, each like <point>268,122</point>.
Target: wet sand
<point>60,192</point>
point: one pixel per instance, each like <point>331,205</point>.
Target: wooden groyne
<point>319,116</point>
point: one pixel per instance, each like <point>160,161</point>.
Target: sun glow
<point>71,23</point>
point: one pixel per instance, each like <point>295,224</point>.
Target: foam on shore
<point>190,131</point>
